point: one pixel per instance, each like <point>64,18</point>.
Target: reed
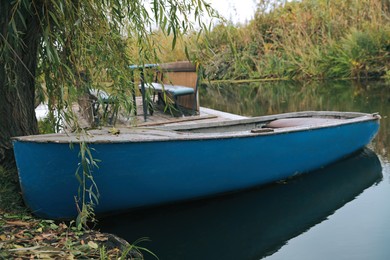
<point>302,40</point>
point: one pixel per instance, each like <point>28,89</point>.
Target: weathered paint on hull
<point>132,175</point>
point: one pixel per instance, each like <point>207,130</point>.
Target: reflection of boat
<point>251,224</point>
<point>145,166</point>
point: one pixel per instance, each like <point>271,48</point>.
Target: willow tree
<point>45,44</point>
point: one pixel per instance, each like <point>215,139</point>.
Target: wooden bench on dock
<point>176,81</point>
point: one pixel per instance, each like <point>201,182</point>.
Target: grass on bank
<point>299,40</point>
<point>22,236</point>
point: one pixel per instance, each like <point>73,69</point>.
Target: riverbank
<point>22,236</point>
<point>301,40</point>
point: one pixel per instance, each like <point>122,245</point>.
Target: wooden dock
<point>158,118</point>
<point>162,118</point>
<point>181,80</point>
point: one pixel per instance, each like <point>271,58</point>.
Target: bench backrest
<point>182,73</point>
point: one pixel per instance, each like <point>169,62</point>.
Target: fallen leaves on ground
<point>23,237</point>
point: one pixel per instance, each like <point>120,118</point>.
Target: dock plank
<point>158,118</point>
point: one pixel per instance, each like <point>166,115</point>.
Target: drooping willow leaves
<point>54,50</point>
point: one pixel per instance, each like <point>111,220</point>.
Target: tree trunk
<point>18,56</point>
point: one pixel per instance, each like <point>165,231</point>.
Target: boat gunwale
<point>177,132</point>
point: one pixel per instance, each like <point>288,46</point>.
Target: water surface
<point>339,212</point>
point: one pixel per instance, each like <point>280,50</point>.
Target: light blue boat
<point>142,167</point>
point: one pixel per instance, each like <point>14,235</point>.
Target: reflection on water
<point>251,224</point>
<point>258,99</point>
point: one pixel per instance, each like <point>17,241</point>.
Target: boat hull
<point>253,221</point>
<point>139,174</point>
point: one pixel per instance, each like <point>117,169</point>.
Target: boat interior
<point>268,123</point>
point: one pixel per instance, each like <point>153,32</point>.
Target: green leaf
<point>93,245</point>
<point>53,226</point>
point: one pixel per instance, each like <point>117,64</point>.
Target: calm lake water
<point>339,212</point>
